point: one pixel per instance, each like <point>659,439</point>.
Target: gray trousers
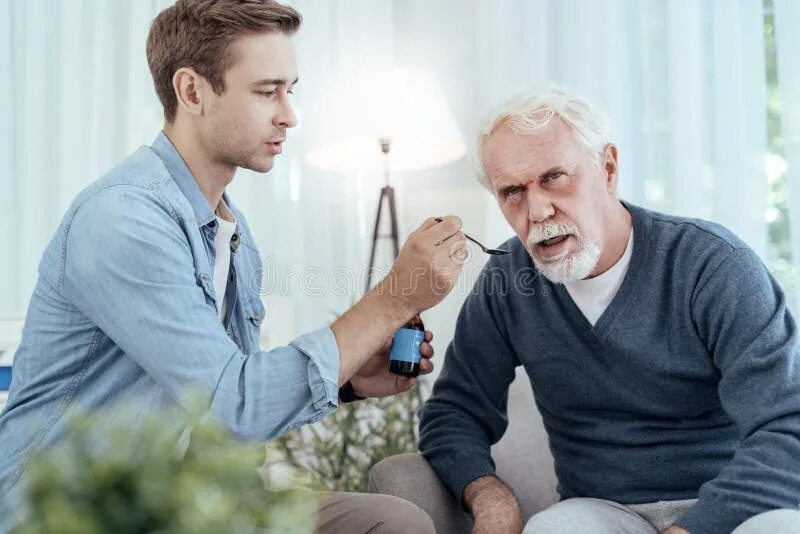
<point>365,513</point>
<point>597,516</point>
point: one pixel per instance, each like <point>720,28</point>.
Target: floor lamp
<point>387,195</point>
<point>406,112</point>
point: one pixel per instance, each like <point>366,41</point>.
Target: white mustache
<point>547,231</point>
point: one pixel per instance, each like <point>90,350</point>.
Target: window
<point>777,214</point>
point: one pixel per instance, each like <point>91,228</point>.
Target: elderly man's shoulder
<point>694,232</point>
<point>694,249</point>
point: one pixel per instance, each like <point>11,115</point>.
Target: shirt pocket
<point>254,312</point>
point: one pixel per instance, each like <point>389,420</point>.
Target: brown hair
<point>199,33</point>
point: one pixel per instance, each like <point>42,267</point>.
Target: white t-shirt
<point>593,295</point>
<point>222,257</point>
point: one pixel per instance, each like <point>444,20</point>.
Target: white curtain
<point>76,99</point>
<point>682,81</point>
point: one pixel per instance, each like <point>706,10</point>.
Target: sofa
<point>522,458</point>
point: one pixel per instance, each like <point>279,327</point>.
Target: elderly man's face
<point>554,197</point>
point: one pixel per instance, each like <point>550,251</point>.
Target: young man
<point>662,356</point>
<point>149,288</point>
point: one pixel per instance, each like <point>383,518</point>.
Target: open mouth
<point>276,147</point>
<point>553,241</point>
<point>552,249</point>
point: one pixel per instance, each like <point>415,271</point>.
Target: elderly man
<point>661,353</point>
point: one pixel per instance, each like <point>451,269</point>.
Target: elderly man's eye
<point>553,176</point>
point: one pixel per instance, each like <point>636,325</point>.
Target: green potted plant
<point>337,453</point>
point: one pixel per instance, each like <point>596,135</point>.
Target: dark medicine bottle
<point>404,358</point>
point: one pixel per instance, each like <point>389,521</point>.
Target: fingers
<point>448,226</point>
<point>429,223</point>
<point>426,350</point>
<point>425,269</point>
<point>456,240</point>
<point>425,366</point>
<point>403,383</point>
<point>458,248</point>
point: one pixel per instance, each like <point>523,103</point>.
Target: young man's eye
<point>266,93</point>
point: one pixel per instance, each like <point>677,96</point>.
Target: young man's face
<point>246,125</point>
<point>553,196</point>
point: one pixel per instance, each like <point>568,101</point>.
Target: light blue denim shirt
<point>124,310</point>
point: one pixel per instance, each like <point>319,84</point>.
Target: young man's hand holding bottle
<point>425,271</point>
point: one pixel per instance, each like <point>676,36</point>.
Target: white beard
<point>568,267</point>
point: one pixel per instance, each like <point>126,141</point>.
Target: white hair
<point>534,110</point>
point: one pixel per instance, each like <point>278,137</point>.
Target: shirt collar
<point>183,177</point>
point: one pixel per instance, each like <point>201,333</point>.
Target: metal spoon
<point>493,251</point>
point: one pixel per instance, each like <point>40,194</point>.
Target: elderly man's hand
<point>675,530</point>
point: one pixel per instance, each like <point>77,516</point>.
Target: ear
<point>189,89</point>
<point>611,167</point>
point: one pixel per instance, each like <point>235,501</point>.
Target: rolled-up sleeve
<point>323,370</point>
<point>264,395</point>
<point>129,268</point>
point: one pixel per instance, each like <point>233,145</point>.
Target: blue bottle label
<point>405,345</point>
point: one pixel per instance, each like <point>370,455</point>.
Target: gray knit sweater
<point>688,386</point>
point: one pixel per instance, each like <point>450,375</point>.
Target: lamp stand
<point>387,195</point>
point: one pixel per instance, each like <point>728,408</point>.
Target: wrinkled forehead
<point>509,154</point>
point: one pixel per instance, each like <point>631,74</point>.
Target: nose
<point>285,118</point>
<point>540,208</point>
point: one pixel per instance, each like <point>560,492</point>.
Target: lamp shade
<point>404,106</point>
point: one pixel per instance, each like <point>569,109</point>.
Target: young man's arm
<point>128,267</point>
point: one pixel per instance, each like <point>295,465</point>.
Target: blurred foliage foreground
<point>107,477</point>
